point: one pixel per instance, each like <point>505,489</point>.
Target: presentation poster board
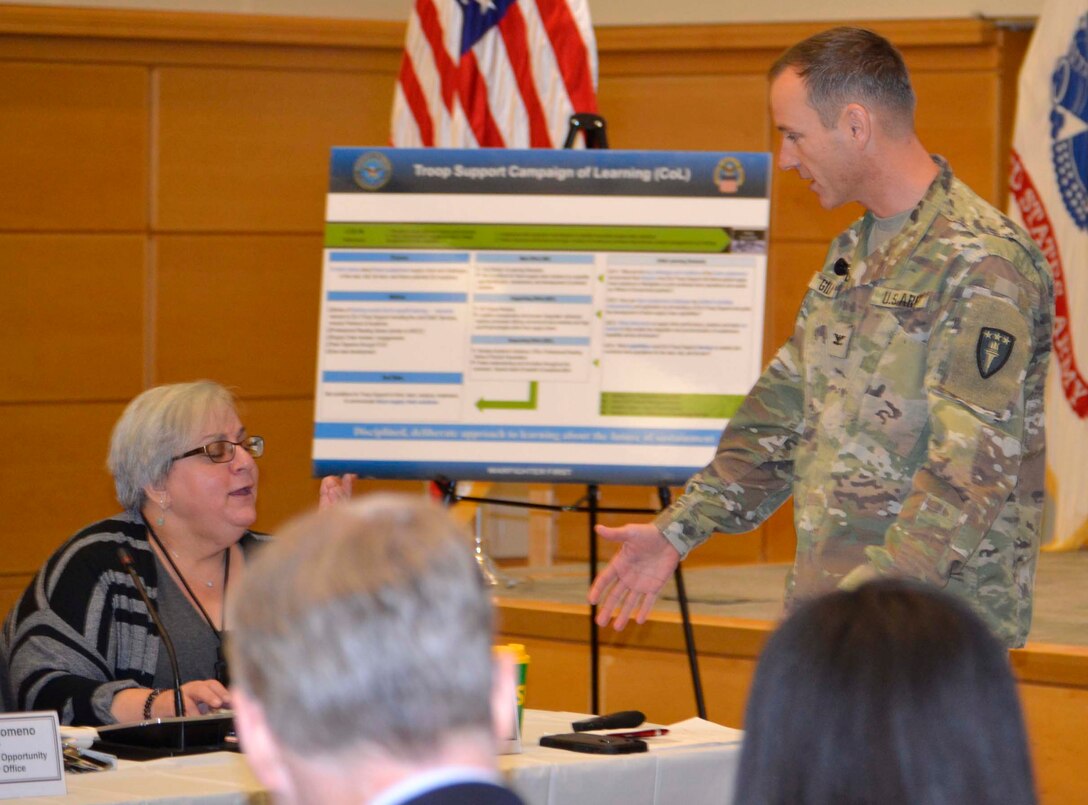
<point>582,316</point>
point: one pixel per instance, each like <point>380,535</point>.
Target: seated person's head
<point>361,650</point>
<point>892,693</point>
<point>182,429</point>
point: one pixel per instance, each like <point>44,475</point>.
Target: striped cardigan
<point>80,632</point>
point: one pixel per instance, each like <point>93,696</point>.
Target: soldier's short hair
<point>894,693</point>
<point>851,65</point>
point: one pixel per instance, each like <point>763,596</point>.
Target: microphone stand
<point>179,704</point>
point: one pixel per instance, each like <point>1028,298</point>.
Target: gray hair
<point>366,624</point>
<point>851,65</point>
<point>156,426</point>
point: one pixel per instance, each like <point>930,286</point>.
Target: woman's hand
<point>200,696</point>
<point>335,489</point>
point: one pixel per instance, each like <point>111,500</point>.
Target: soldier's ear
<point>858,124</point>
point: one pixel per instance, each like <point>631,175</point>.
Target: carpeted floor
<point>755,591</point>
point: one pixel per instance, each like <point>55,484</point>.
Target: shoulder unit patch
<point>993,350</point>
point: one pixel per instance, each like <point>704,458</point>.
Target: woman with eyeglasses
<point>79,640</point>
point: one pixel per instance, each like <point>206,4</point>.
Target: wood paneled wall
<point>163,184</point>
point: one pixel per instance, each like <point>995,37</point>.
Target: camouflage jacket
<point>904,414</point>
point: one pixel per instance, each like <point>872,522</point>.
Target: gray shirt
<point>193,639</point>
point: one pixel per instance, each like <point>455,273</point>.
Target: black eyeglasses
<point>222,451</point>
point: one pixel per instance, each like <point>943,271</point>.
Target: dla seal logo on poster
<point>1069,124</point>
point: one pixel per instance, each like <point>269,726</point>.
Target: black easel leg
<point>665,495</point>
<point>594,638</point>
<point>689,642</point>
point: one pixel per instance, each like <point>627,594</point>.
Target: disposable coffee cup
<point>521,670</point>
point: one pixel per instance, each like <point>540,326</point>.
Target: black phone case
<point>594,744</point>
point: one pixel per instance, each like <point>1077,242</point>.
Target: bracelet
<point>149,701</point>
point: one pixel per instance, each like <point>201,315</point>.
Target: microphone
<point>842,268</point>
<point>130,567</point>
<point>624,719</point>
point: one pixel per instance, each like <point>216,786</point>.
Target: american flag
<point>494,73</point>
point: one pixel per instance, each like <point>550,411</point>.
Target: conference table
<point>695,764</point>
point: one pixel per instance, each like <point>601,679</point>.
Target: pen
<point>653,733</point>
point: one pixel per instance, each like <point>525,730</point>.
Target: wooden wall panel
<point>779,538</point>
<point>558,674</point>
<point>1055,719</point>
<point>71,316</point>
<point>796,214</point>
<point>12,586</point>
<point>248,150</point>
<point>700,112</point>
<point>240,308</point>
<point>73,146</point>
<point>656,683</point>
<point>53,476</point>
<point>790,266</point>
<point>971,152</point>
<point>643,668</point>
<point>286,487</point>
<point>730,549</point>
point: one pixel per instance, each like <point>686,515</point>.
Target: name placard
<point>31,763</point>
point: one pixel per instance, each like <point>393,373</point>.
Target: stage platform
<point>755,592</point>
<point>734,609</point>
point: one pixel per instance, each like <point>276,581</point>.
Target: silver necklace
<point>177,557</point>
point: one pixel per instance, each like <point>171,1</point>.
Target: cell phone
<point>594,744</point>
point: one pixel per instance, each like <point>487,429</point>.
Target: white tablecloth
<point>218,778</point>
<point>694,765</point>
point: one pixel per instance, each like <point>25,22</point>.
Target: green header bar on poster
<point>482,237</point>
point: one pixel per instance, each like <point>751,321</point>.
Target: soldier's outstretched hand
<point>636,574</point>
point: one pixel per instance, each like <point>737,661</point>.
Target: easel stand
<point>593,129</point>
<point>590,504</point>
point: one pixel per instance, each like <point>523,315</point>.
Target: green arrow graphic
<point>526,405</point>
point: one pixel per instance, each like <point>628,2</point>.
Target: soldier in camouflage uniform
<point>905,413</point>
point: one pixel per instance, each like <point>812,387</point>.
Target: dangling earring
<point>162,514</point>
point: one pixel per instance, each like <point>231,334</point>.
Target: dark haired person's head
<point>851,65</point>
<point>893,693</point>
